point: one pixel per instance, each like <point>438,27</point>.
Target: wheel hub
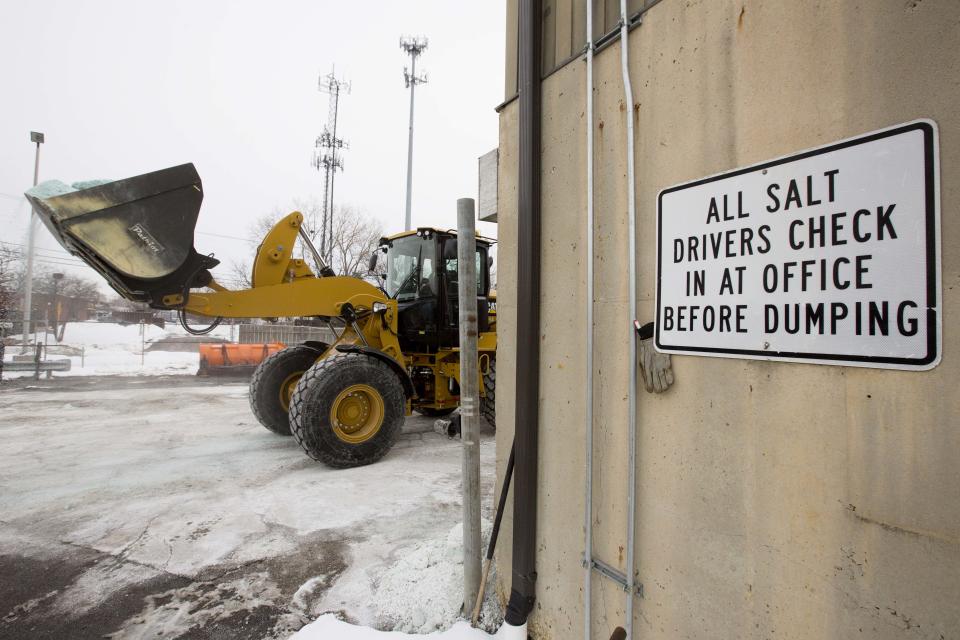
<point>357,413</point>
<point>287,387</point>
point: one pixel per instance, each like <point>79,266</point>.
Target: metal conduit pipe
<point>588,400</point>
<point>631,310</point>
<point>528,321</point>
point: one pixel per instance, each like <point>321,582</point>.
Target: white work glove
<point>656,367</point>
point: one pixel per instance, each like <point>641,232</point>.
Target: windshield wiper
<point>413,274</point>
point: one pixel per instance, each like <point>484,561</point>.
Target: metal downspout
<point>631,310</point>
<point>588,400</point>
<point>528,319</point>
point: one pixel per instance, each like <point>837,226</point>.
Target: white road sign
<point>830,256</point>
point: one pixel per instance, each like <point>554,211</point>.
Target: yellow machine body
<point>284,286</point>
<point>138,234</point>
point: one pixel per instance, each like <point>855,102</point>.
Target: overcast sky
<point>122,88</point>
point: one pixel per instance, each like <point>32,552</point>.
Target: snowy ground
<point>156,507</point>
<point>115,349</point>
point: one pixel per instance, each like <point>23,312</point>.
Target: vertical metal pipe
<point>31,240</point>
<point>527,416</point>
<point>469,397</point>
<point>413,87</point>
<point>631,311</point>
<point>36,360</point>
<point>588,400</point>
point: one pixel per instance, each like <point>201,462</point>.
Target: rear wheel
<point>273,383</point>
<point>488,402</point>
<point>347,410</point>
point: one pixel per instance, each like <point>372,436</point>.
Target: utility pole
<point>414,47</point>
<point>38,138</point>
<point>469,398</point>
<point>327,158</point>
<point>57,277</point>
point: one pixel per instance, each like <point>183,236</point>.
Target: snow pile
<point>423,590</point>
<point>328,628</point>
<point>50,189</point>
<point>88,184</point>
<point>421,593</point>
<point>114,349</point>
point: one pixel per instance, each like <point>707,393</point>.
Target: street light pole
<point>37,138</point>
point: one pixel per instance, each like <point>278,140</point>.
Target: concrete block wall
<point>775,500</point>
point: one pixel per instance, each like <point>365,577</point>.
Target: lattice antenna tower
<point>413,46</point>
<point>327,158</point>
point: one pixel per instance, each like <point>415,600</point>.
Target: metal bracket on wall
<point>607,571</point>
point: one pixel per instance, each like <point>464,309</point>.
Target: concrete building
<point>774,499</point>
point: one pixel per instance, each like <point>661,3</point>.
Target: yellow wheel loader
<point>396,344</point>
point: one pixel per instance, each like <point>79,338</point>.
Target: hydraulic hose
<point>182,315</point>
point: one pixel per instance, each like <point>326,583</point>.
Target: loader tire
<point>435,413</point>
<point>488,402</point>
<point>273,383</point>
<point>347,410</point>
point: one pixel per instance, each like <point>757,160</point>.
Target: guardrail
<point>35,363</point>
<point>42,365</point>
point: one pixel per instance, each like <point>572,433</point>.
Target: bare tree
<point>119,303</point>
<point>9,278</point>
<point>69,286</point>
<point>241,271</point>
<point>355,236</point>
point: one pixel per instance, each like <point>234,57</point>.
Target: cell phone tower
<point>327,157</point>
<point>414,46</point>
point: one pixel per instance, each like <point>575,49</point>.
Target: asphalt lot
<point>149,507</point>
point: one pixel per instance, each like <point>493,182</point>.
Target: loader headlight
<point>379,307</point>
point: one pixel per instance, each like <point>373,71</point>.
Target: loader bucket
<point>137,233</point>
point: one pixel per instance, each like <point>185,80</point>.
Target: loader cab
<point>422,276</point>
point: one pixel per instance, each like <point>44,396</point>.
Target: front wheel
<point>488,402</point>
<point>347,410</point>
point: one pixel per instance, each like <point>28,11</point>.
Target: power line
<point>17,244</point>
<point>220,235</point>
<point>65,254</point>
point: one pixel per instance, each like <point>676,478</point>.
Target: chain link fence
<point>284,333</point>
